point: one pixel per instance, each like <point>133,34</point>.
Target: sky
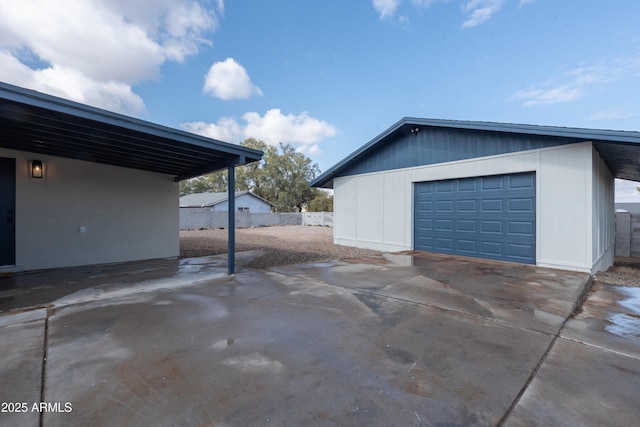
<point>327,76</point>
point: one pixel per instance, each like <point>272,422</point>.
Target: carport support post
<point>231,250</point>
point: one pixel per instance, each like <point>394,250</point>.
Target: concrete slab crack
<point>576,309</point>
<point>45,351</point>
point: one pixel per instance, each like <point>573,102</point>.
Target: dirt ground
<point>291,244</point>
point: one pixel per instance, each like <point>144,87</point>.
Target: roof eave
<point>325,180</point>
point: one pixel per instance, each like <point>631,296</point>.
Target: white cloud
<point>229,80</point>
<point>574,83</point>
<point>96,49</point>
<point>616,113</point>
<point>272,128</point>
<point>480,11</point>
<point>626,191</point>
<point>386,8</point>
<point>552,95</point>
<point>71,84</point>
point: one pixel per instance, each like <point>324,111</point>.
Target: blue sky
<point>328,76</point>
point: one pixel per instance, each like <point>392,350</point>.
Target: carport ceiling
<point>34,122</point>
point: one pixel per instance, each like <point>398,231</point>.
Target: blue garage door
<point>487,217</point>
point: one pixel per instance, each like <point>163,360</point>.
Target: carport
<point>42,137</point>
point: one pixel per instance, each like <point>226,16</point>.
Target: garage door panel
<point>444,206</point>
<point>522,205</point>
<point>470,206</point>
<point>468,247</point>
<point>465,226</point>
<point>491,183</point>
<point>524,228</point>
<point>525,181</point>
<point>425,224</point>
<point>444,244</point>
<point>444,186</point>
<point>488,217</point>
<point>490,249</point>
<point>491,205</point>
<point>425,206</point>
<point>444,225</point>
<point>491,227</point>
<point>524,252</point>
<point>467,185</point>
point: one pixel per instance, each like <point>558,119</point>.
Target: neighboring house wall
<point>196,218</point>
<point>254,204</point>
<point>634,208</point>
<point>623,234</point>
<point>628,234</point>
<point>128,214</point>
<point>567,214</point>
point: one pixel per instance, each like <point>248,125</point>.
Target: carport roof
<point>39,123</point>
<point>619,149</point>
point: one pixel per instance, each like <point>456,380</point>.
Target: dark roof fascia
<point>330,173</point>
<point>554,131</point>
<point>237,161</point>
<point>75,109</point>
<point>612,136</point>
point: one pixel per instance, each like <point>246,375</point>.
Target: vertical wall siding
<point>564,217</point>
<point>439,145</point>
<point>603,209</point>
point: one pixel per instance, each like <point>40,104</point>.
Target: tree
<point>286,177</point>
<point>322,202</point>
<point>215,182</point>
<point>282,177</point>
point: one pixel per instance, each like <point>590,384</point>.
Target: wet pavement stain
<point>627,323</point>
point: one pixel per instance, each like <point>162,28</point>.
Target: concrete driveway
<point>407,340</point>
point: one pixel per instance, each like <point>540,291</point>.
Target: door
<point>7,211</point>
<point>486,217</point>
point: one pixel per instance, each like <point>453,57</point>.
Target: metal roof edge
<point>587,134</point>
<point>329,174</point>
<point>65,106</point>
<point>225,198</point>
<point>555,131</point>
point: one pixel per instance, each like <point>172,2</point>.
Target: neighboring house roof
<point>208,199</point>
<point>619,149</point>
<point>39,123</point>
<point>633,207</point>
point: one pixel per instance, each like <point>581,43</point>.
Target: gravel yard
<point>291,244</point>
<point>625,272</point>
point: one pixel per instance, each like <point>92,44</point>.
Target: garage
<point>541,195</point>
<point>486,217</point>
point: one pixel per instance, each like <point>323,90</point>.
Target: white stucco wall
<point>376,210</point>
<point>254,204</point>
<point>127,214</point>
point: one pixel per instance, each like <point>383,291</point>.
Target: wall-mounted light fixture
<point>415,130</point>
<point>36,169</point>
